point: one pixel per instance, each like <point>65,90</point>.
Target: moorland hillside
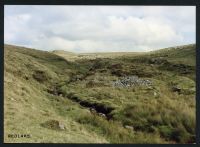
<point>63,97</point>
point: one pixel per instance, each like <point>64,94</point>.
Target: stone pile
<point>131,81</point>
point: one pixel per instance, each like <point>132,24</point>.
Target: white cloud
<point>99,28</point>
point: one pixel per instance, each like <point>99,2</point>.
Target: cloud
<point>99,28</point>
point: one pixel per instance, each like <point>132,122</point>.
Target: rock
<point>176,89</point>
<point>102,115</point>
<point>151,65</point>
<point>128,127</point>
<point>12,99</point>
<point>61,126</point>
<point>92,110</point>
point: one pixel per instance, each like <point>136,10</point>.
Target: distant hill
<point>77,56</point>
<point>63,97</point>
<point>67,55</point>
<point>181,54</point>
<point>63,52</point>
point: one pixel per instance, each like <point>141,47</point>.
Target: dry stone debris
<point>131,81</point>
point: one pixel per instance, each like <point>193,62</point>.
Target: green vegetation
<point>51,96</point>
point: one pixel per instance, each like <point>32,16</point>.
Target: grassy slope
<point>184,54</point>
<point>137,106</point>
<point>27,106</point>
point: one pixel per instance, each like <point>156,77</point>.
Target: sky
<point>99,28</point>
